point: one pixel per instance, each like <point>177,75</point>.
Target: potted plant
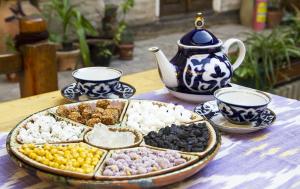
<point>267,55</point>
<point>71,20</point>
<point>101,51</point>
<point>109,22</point>
<point>124,36</point>
<point>274,14</point>
<point>126,45</point>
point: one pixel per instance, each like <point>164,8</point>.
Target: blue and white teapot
<point>201,65</point>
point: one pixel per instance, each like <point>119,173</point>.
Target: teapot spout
<point>167,71</point>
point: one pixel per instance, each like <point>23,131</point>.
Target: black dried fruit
<point>191,138</point>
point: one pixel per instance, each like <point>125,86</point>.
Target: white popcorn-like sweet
<point>45,128</point>
<point>146,116</point>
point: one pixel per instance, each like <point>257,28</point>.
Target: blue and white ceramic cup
<point>97,82</point>
<point>241,106</point>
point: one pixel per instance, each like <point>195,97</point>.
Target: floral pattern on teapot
<point>209,72</point>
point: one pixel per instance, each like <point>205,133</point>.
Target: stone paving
<point>143,60</point>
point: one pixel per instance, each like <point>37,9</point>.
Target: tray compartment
<point>92,103</point>
<point>57,118</point>
<point>58,171</point>
<point>190,160</point>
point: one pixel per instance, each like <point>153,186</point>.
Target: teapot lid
<point>199,37</point>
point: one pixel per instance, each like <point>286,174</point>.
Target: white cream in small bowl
<point>241,106</point>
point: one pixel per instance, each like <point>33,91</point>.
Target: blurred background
<point>117,33</point>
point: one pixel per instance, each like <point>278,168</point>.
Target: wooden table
<point>12,112</point>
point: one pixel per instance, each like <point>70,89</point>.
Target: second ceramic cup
<point>97,82</point>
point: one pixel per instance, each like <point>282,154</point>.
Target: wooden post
<point>39,69</point>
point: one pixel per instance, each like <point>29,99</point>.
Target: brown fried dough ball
<point>62,111</point>
<point>91,122</point>
<point>102,103</point>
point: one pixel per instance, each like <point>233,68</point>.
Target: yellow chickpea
<point>88,160</point>
<point>60,153</point>
<point>80,170</point>
<point>53,151</point>
<point>41,152</point>
<point>31,146</point>
<point>80,160</point>
<point>47,147</point>
<point>49,156</point>
<point>55,165</point>
<point>88,170</point>
<point>39,159</point>
<point>32,155</point>
<point>46,162</point>
<point>62,167</point>
<point>51,164</point>
<point>82,154</point>
<point>76,164</point>
<point>76,155</point>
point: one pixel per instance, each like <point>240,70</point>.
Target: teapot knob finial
<point>199,20</point>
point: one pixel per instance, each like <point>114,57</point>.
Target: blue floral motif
<point>207,73</point>
<point>121,90</point>
<point>240,114</point>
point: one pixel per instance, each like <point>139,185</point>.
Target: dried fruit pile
<point>106,112</point>
<point>78,157</point>
<point>191,138</point>
<point>140,161</point>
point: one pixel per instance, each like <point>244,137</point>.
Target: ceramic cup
<point>97,82</point>
<point>241,106</point>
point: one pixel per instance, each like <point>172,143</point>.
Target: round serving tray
<point>152,180</point>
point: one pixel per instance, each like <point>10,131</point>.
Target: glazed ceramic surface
<point>192,97</point>
<point>211,112</point>
<point>121,90</point>
<point>201,64</point>
<point>165,177</point>
<point>241,106</point>
<point>96,82</point>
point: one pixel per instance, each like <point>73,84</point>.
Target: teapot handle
<point>242,51</point>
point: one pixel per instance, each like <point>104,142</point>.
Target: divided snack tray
<point>195,160</point>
